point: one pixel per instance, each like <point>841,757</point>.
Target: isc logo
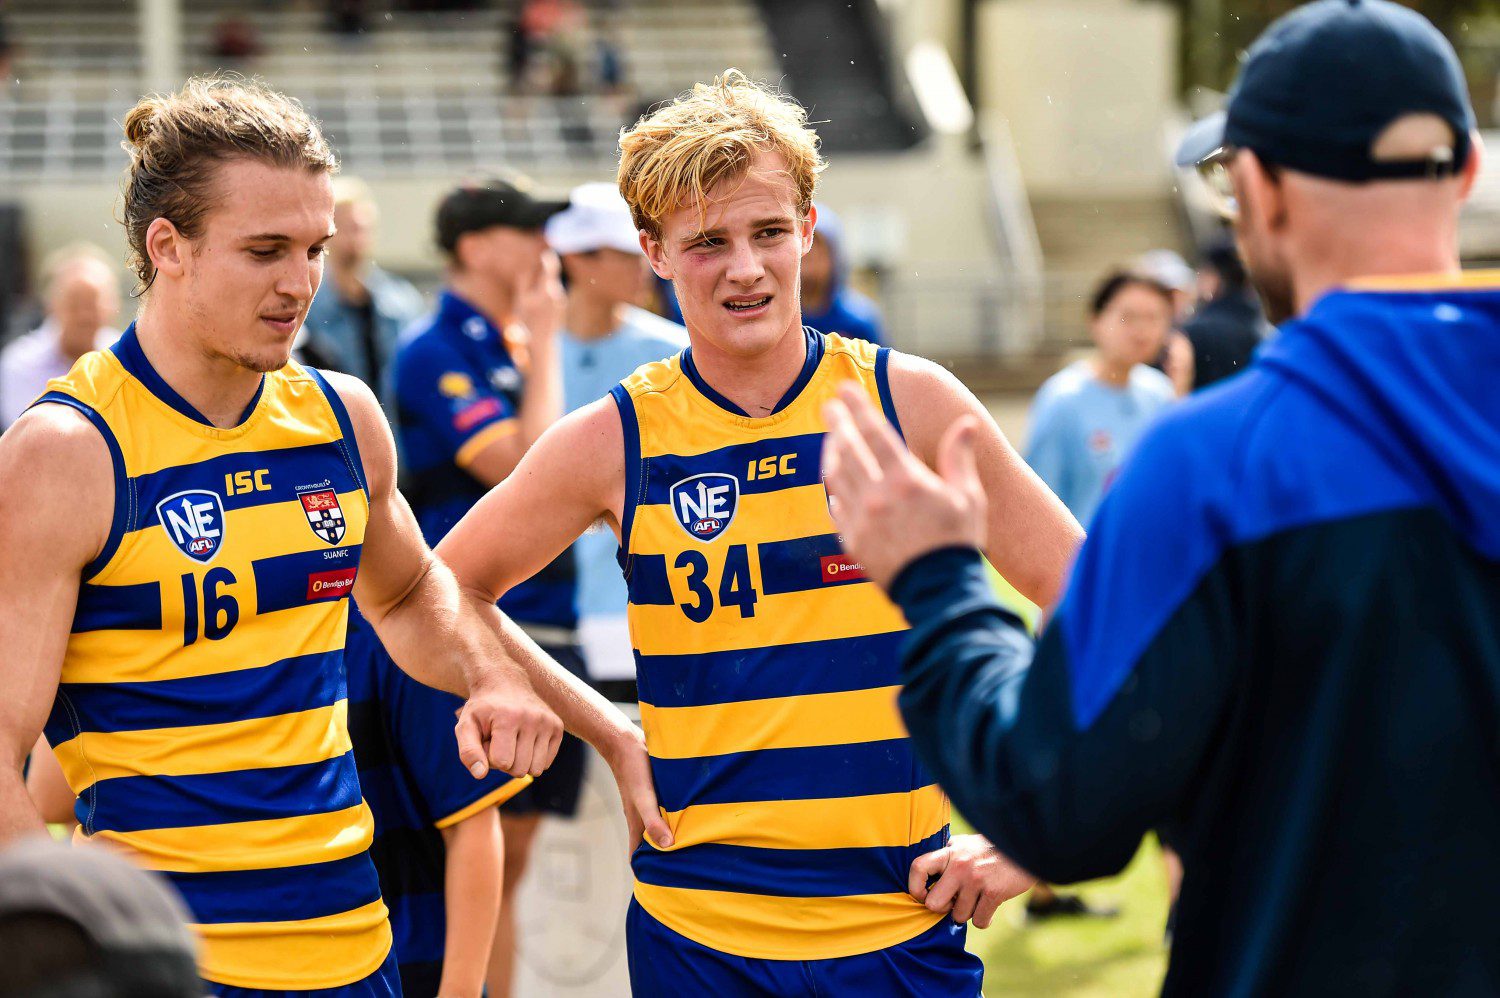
<point>771,467</point>
<point>241,482</point>
<point>705,504</point>
<point>194,520</point>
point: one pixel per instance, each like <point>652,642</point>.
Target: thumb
<point>655,826</point>
<point>957,462</point>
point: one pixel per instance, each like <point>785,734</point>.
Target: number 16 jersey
<point>768,669</point>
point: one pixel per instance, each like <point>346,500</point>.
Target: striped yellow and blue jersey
<point>768,671</point>
<point>201,715</point>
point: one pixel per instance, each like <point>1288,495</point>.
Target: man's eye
<point>263,254</point>
<point>772,231</point>
<point>316,252</point>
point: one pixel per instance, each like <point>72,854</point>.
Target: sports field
<point>1083,958</point>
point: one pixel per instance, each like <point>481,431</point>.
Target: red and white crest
<point>324,514</point>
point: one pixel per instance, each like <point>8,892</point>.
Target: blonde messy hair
<point>176,141</point>
<point>708,135</point>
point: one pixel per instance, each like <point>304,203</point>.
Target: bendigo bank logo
<point>194,520</point>
<point>704,504</point>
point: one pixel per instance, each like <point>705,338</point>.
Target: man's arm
<point>50,452</point>
<point>432,632</point>
<point>1065,762</point>
<point>1031,535</point>
<point>471,900</point>
<point>573,476</point>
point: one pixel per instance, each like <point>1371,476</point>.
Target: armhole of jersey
<point>883,383</point>
<point>121,514</point>
<point>631,430</point>
<point>341,413</point>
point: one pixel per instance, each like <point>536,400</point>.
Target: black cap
<point>1322,83</point>
<point>487,202</point>
<point>134,919</point>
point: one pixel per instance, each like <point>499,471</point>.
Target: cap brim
<point>538,212</point>
<point>1202,140</point>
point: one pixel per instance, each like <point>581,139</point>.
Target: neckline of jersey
<point>810,363</point>
<point>127,350</point>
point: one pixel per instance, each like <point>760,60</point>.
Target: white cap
<point>1167,267</point>
<point>596,217</point>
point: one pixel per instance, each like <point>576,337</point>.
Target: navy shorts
<point>384,983</point>
<point>932,965</point>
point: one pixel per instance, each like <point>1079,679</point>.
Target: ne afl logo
<point>704,504</point>
<point>194,520</point>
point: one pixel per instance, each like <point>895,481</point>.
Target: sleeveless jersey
<point>201,716</point>
<point>768,671</point>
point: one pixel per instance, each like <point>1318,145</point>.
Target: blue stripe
<point>635,488</point>
<point>803,873</point>
<point>304,682</point>
<point>281,582</point>
<point>838,665</point>
<point>648,582</point>
<point>140,803</point>
<point>121,480</point>
<point>279,894</point>
<point>884,767</point>
<point>118,608</point>
<point>805,451</point>
<point>883,384</point>
<point>288,468</point>
<point>341,413</point>
<point>795,566</point>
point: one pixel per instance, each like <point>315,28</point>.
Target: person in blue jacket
<point>829,303</point>
<point>1281,639</point>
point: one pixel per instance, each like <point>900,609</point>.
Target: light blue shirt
<point>590,369</point>
<point>1082,430</point>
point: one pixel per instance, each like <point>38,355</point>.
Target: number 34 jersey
<point>768,671</point>
<point>201,717</point>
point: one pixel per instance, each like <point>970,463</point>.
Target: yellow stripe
<point>773,723</point>
<point>498,796</point>
<point>247,845</point>
<point>143,656</point>
<point>816,615</point>
<point>770,927</point>
<point>872,821</point>
<point>472,447</point>
<point>260,743</point>
<point>326,952</point>
<point>1467,279</point>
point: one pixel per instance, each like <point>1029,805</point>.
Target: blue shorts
<point>384,983</point>
<point>933,965</point>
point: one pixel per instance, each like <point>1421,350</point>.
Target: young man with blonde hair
<point>182,520</point>
<point>802,848</point>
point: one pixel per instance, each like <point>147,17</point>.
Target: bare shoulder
<point>52,451</point>
<point>588,444</point>
<point>372,431</point>
<point>928,398</point>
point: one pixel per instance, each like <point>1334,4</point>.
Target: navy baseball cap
<point>484,202</point>
<point>1321,84</point>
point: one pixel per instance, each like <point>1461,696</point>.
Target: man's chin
<point>265,363</point>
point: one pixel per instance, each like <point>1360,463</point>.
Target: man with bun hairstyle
<point>802,848</point>
<point>183,518</point>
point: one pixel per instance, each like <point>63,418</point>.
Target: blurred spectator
<point>605,337</point>
<point>829,304</point>
<point>83,922</point>
<point>360,309</point>
<point>234,39</point>
<point>348,18</point>
<point>1228,325</point>
<point>1086,418</point>
<point>1168,268</point>
<point>82,296</point>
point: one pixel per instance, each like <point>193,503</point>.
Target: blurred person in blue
<point>353,323</point>
<point>82,300</point>
<point>1279,639</point>
<point>1228,325</point>
<point>829,303</point>
<point>476,383</point>
<point>1086,418</point>
<point>605,337</point>
<point>437,841</point>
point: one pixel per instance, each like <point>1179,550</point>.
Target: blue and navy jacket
<point>1280,644</point>
<point>458,389</point>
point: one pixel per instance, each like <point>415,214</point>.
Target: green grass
<point>1120,957</point>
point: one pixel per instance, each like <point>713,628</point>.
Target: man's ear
<point>167,248</point>
<point>1472,167</point>
<point>806,227</point>
<point>1260,192</point>
<point>656,255</point>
